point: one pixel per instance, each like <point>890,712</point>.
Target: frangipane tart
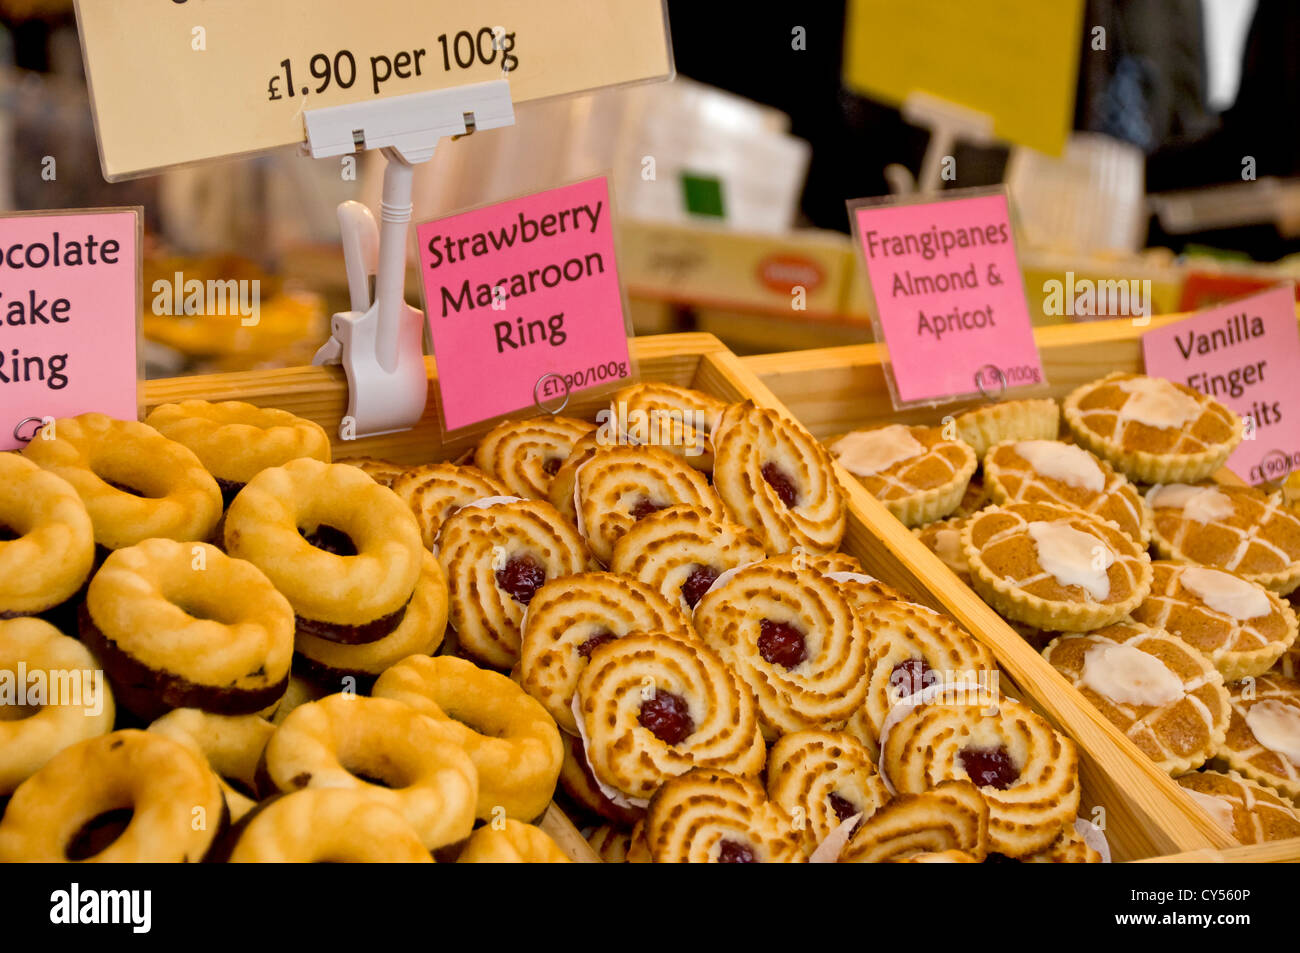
<point>1263,740</point>
<point>775,478</point>
<point>794,639</point>
<point>914,471</point>
<point>974,499</point>
<point>1026,770</point>
<point>1055,567</point>
<point>951,816</point>
<point>708,816</point>
<point>943,538</point>
<point>1237,528</point>
<point>571,617</point>
<point>1152,430</point>
<point>1250,812</point>
<point>910,648</point>
<point>1038,419</point>
<point>681,551</point>
<point>1049,471</point>
<point>1166,696</point>
<point>620,485</point>
<point>653,705</point>
<point>821,779</point>
<point>525,454</point>
<point>1239,625</point>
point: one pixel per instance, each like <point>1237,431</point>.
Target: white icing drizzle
<point>1073,557</point>
<point>947,546</point>
<point>1129,676</point>
<point>1199,503</point>
<point>1157,403</point>
<point>1277,727</point>
<point>1226,593</point>
<point>1063,462</point>
<point>1219,809</point>
<point>868,452</point>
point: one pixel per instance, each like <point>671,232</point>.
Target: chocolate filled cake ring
<point>775,478</point>
<point>47,542</point>
<point>572,616</point>
<point>232,745</point>
<point>512,741</point>
<point>420,632</point>
<point>183,625</point>
<point>235,440</point>
<point>51,723</point>
<point>654,705</point>
<point>384,748</point>
<point>496,558</point>
<point>525,454</point>
<point>513,843</point>
<point>343,550</point>
<point>326,825</point>
<point>125,797</point>
<point>620,485</point>
<point>136,483</point>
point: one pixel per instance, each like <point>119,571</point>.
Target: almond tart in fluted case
<point>1163,694</point>
<point>1055,567</point>
<point>1263,737</point>
<point>1239,529</point>
<point>1152,430</point>
<point>1251,812</point>
<point>917,473</point>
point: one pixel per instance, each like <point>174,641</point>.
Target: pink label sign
<point>523,301</point>
<point>949,299</point>
<point>68,317</point>
<point>1246,355</point>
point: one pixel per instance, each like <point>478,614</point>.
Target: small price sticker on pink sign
<point>524,302</point>
<point>1246,354</point>
<point>69,317</point>
<point>948,297</point>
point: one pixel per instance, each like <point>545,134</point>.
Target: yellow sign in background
<point>178,81</point>
<point>1015,60</point>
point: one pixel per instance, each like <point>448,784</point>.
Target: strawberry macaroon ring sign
<point>524,303</point>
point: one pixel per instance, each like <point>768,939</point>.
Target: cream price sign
<point>178,81</point>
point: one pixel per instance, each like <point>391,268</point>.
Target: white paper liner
<point>615,795</point>
<point>861,577</point>
<point>577,500</point>
<point>829,850</point>
<point>723,578</point>
<point>481,503</point>
<point>1094,837</point>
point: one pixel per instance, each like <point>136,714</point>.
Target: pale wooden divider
<point>1143,811</point>
<point>833,390</point>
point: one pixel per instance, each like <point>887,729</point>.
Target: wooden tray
<point>1143,814</point>
<point>833,390</point>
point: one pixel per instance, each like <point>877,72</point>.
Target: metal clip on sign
<point>379,342</point>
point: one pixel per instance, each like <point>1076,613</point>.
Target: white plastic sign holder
<point>380,342</point>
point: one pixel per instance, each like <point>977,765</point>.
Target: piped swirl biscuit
<point>708,816</point>
<point>525,454</point>
<point>775,478</point>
